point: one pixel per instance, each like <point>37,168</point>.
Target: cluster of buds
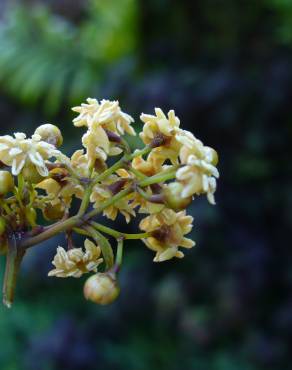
<point>38,183</point>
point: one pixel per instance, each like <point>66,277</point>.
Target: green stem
<point>13,261</point>
<point>5,206</point>
<point>85,201</point>
<point>81,231</point>
<point>52,231</point>
<point>77,221</point>
<point>19,190</point>
<point>119,255</point>
<point>161,177</point>
<point>71,222</point>
<point>107,203</point>
<point>121,163</point>
<point>118,234</point>
<point>138,174</point>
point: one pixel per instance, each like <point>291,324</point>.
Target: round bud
<point>31,174</point>
<point>6,182</point>
<point>50,134</point>
<point>172,197</point>
<point>53,213</point>
<point>101,288</point>
<point>31,215</point>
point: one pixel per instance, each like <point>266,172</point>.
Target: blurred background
<point>225,67</point>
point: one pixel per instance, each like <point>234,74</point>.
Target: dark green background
<point>225,67</point>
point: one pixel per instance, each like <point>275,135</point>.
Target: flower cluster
<point>155,183</point>
<point>75,262</point>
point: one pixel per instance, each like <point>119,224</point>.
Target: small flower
<point>162,128</point>
<point>196,179</point>
<point>102,192</point>
<point>106,113</point>
<point>167,230</point>
<point>75,262</point>
<point>97,144</point>
<point>80,163</point>
<point>101,288</point>
<point>158,124</point>
<point>145,206</point>
<point>99,117</point>
<point>199,174</point>
<point>173,198</point>
<point>190,145</point>
<point>6,182</point>
<point>149,167</point>
<point>60,190</point>
<point>18,152</point>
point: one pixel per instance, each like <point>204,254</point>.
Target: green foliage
<point>45,58</point>
<point>283,12</point>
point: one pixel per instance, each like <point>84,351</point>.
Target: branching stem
<point>83,218</point>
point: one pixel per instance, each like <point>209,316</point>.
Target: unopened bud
<point>101,288</point>
<point>50,134</point>
<point>31,215</point>
<point>172,197</point>
<point>6,182</point>
<point>31,174</point>
<point>53,213</point>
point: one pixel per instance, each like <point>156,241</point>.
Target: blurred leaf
<point>45,58</point>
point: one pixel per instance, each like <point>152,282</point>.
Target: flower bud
<point>31,215</point>
<point>31,174</point>
<point>50,134</point>
<point>6,182</point>
<point>101,288</point>
<point>172,197</point>
<point>53,212</point>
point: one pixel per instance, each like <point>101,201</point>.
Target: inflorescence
<point>38,183</point>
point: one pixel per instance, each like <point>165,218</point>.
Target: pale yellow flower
<point>190,145</point>
<point>99,117</point>
<point>97,144</point>
<point>102,192</point>
<point>80,163</point>
<point>158,124</point>
<point>61,191</point>
<point>149,167</point>
<point>18,152</point>
<point>199,173</point>
<point>105,113</point>
<point>197,179</point>
<point>165,128</point>
<point>167,230</point>
<point>75,262</point>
